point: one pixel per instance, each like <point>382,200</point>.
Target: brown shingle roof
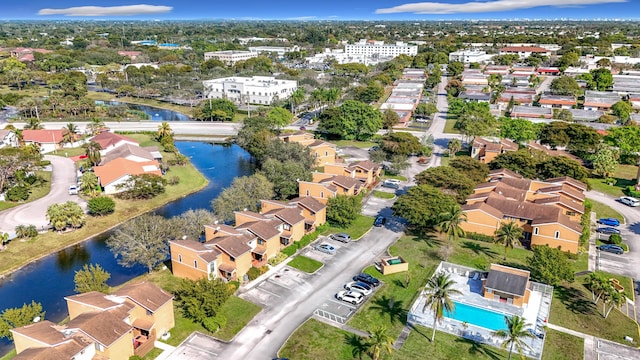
<point>559,199</point>
<point>43,331</point>
<point>506,172</point>
<point>570,180</point>
<point>485,208</point>
<point>508,145</point>
<point>43,353</point>
<point>510,192</point>
<point>561,219</point>
<point>107,138</point>
<point>522,184</point>
<point>105,326</point>
<point>343,181</point>
<point>233,245</point>
<point>564,188</point>
<point>291,216</point>
<point>94,299</point>
<point>521,210</point>
<point>365,164</point>
<point>126,150</point>
<point>309,203</point>
<point>145,294</point>
<point>263,229</point>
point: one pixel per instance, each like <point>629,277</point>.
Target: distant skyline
<point>318,10</point>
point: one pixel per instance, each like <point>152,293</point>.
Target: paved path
<point>64,174</point>
<point>601,349</point>
<point>166,350</point>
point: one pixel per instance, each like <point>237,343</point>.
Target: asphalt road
<point>63,175</point>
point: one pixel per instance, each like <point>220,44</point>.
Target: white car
<point>629,201</point>
<point>351,297</point>
<point>391,183</point>
<point>358,286</point>
<point>73,189</point>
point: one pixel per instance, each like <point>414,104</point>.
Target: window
<point>232,258</point>
<point>287,227</point>
<point>307,192</point>
<point>179,257</point>
<point>260,242</point>
<point>195,264</point>
<point>535,231</point>
<point>326,153</point>
<point>284,241</point>
<point>557,234</point>
<point>322,194</point>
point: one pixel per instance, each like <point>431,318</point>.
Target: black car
<point>608,230</point>
<point>380,221</point>
<point>367,279</point>
<point>611,248</point>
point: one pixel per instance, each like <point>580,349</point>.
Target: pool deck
<point>468,282</point>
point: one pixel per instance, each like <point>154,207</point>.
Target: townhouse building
<point>323,152</point>
<point>487,149</point>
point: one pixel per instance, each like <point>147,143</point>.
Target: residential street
<point>64,174</point>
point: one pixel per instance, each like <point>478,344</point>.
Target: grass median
<point>36,192</point>
<point>305,264</point>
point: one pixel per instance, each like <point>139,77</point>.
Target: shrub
<point>631,191</point>
<point>26,231</point>
<point>18,193</point>
<point>280,257</point>
<point>44,163</point>
<point>174,180</point>
<point>101,205</point>
<point>135,357</point>
<point>290,250</point>
<point>479,237</point>
<point>615,239</point>
<point>253,273</point>
<point>211,323</point>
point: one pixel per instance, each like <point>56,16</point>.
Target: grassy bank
<point>20,253</point>
<point>561,346</point>
<point>605,211</point>
<point>624,176</point>
<point>360,226</point>
<point>37,192</point>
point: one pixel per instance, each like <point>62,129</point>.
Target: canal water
<point>47,281</point>
<point>156,114</point>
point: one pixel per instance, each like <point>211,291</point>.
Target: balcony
<point>143,344</point>
<point>259,263</point>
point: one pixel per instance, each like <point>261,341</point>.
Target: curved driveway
<point>63,175</point>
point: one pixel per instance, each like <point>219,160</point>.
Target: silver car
<point>351,297</point>
<point>342,237</point>
<point>326,248</point>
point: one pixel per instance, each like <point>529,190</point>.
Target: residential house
<point>367,171</point>
<point>599,100</point>
<point>507,285</point>
<point>557,101</point>
<point>532,112</point>
<point>115,326</point>
<point>132,55</point>
<point>548,71</point>
<point>585,115</point>
<point>46,140</point>
<point>477,96</point>
<point>487,149</point>
<point>120,170</point>
<point>133,153</point>
<point>313,211</point>
<point>524,51</point>
<point>325,186</point>
<point>549,211</point>
<point>8,138</point>
<point>535,146</point>
<point>109,141</point>
<point>323,152</point>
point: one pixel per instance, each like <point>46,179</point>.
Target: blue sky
<point>317,9</point>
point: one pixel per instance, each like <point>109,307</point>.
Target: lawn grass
<point>68,152</point>
<point>625,281</point>
<point>358,144</point>
<point>395,177</point>
<point>383,195</point>
<point>19,253</point>
<point>605,211</point>
<point>10,355</point>
<point>449,127</point>
<point>315,340</point>
<point>561,346</point>
<point>625,176</point>
<point>305,264</point>
<point>358,228</point>
<point>238,313</point>
<point>152,354</point>
<point>37,192</point>
<point>572,308</point>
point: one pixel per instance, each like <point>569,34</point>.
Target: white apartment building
<point>379,48</point>
<point>470,56</point>
<point>262,90</point>
<point>230,57</point>
<point>278,50</point>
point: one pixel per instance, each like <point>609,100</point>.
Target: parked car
<point>391,183</point>
<point>380,221</point>
<point>326,248</point>
<point>609,221</point>
<point>73,189</point>
<point>352,297</point>
<point>611,248</point>
<point>342,237</point>
<point>608,230</point>
<point>629,201</point>
<point>367,279</point>
<point>359,286</point>
<point>374,148</point>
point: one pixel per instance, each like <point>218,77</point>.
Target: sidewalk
<point>596,348</point>
<point>166,350</point>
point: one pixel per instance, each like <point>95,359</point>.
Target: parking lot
<point>278,287</point>
<point>197,346</point>
<point>339,311</point>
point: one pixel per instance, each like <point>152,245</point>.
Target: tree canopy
<point>565,85</point>
<point>244,193</point>
<point>519,130</point>
<point>422,204</point>
<point>549,266</point>
<point>351,120</point>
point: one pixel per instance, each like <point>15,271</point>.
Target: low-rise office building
<point>263,90</point>
<point>230,57</point>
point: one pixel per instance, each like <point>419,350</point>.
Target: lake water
<point>156,114</point>
<point>47,281</point>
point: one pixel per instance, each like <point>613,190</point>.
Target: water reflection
<point>77,254</point>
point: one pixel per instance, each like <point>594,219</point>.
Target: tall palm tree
<point>508,234</point>
<point>297,97</point>
<point>438,298</point>
<point>597,285</point>
<point>164,131</point>
<point>450,221</point>
<point>515,334</point>
<point>69,133</point>
<point>93,152</point>
<point>612,298</point>
<point>33,124</point>
<point>454,146</point>
<point>379,341</point>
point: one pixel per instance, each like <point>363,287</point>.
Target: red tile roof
<point>120,167</point>
<point>43,136</point>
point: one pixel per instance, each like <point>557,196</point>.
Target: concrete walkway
<point>166,350</point>
<point>598,349</point>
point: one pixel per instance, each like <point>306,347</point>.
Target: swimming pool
<point>476,316</point>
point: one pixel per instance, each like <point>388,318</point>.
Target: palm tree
<point>93,152</point>
<point>612,298</point>
<point>297,97</point>
<point>508,234</point>
<point>379,341</point>
<point>450,221</point>
<point>70,132</point>
<point>89,183</point>
<point>454,146</point>
<point>597,285</point>
<point>33,124</point>
<point>438,298</point>
<point>515,334</point>
<point>164,131</point>
<point>95,125</point>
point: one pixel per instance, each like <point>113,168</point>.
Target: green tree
<point>70,132</point>
<point>475,119</point>
<point>279,117</point>
<point>390,119</point>
<point>612,299</point>
<point>549,266</point>
<point>142,241</point>
<point>605,161</point>
<point>597,284</point>
<point>515,334</point>
<point>450,221</point>
<point>556,166</point>
<point>244,193</point>
<point>92,150</point>
<point>564,115</point>
<point>255,135</point>
<point>602,79</point>
<point>288,151</point>
<point>454,146</point>
<point>203,298</point>
<point>17,317</point>
<point>471,168</point>
<point>438,294</point>
<point>101,205</point>
<point>449,179</point>
<point>95,125</point>
<point>378,342</point>
<point>297,97</point>
<point>454,88</point>
<point>425,110</point>
<point>370,93</point>
<point>569,58</point>
<point>565,85</point>
<point>400,143</point>
<point>455,68</point>
<point>14,161</point>
<point>65,215</point>
<point>623,110</point>
<point>164,133</point>
<point>343,210</point>
<point>216,110</point>
<point>89,183</point>
<point>625,138</point>
<point>508,234</point>
<point>191,223</point>
<point>285,176</point>
<point>421,205</point>
<point>91,278</point>
<point>518,130</point>
<point>143,186</point>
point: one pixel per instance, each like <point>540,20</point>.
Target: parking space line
<point>268,292</point>
<point>199,349</point>
<point>343,303</point>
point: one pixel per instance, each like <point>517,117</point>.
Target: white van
<point>629,201</point>
<point>391,183</point>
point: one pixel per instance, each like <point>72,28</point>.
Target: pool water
<point>476,316</point>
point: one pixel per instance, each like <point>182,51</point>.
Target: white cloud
<point>303,18</point>
<point>486,6</point>
<point>126,10</point>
